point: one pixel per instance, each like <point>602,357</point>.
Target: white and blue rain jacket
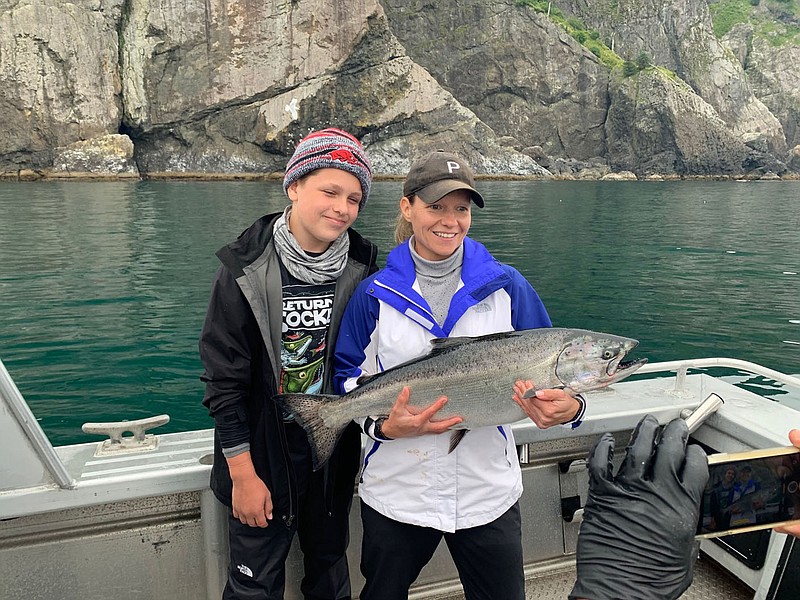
<point>387,322</point>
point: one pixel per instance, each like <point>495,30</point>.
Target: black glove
<point>636,540</point>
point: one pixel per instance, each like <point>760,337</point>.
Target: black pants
<point>488,557</point>
<point>258,555</point>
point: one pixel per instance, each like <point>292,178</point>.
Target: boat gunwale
<point>143,476</point>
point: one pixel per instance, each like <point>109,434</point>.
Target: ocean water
<point>103,286</point>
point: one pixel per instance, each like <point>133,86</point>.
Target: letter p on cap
<point>452,166</point>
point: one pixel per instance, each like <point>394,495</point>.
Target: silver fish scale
<point>477,377</point>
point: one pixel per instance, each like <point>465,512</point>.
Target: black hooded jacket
<point>240,351</point>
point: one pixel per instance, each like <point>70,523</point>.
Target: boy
<point>274,312</point>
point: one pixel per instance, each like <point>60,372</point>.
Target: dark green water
<point>103,286</point>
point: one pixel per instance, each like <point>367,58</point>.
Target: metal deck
<point>710,582</point>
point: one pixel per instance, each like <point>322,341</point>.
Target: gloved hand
<point>636,540</point>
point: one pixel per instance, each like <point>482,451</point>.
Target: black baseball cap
<point>437,174</point>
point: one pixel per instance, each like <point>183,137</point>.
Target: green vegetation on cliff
<point>777,21</point>
<point>590,38</point>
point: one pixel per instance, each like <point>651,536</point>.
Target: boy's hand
<point>251,499</point>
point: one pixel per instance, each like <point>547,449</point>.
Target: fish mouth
<point>620,369</point>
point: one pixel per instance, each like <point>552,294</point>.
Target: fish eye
<point>608,354</point>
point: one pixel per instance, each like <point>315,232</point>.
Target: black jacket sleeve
<point>226,347</point>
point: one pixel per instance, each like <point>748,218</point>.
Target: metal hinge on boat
<point>118,443</point>
<point>573,482</point>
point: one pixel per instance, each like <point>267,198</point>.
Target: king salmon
<point>476,374</point>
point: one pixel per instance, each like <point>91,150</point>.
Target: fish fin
<point>439,345</point>
<point>367,378</point>
<point>305,410</point>
<point>451,342</point>
<point>532,392</point>
<point>455,438</point>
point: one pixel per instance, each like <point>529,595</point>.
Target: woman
<point>440,283</point>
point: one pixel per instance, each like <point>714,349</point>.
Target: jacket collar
<point>481,275</point>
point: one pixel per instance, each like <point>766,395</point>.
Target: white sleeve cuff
<point>576,421</point>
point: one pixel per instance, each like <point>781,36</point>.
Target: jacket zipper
<point>288,518</point>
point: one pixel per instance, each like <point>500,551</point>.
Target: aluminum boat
<point>132,516</point>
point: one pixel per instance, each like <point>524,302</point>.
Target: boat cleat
<point>118,443</point>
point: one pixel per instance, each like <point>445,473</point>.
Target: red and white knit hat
<point>330,149</point>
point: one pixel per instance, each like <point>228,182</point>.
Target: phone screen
<point>750,490</point>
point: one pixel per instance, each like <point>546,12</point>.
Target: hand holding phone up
<point>637,535</point>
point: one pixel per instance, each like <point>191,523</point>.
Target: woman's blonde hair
<point>402,228</point>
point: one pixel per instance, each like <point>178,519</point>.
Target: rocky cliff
<point>226,87</point>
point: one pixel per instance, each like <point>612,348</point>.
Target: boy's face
<point>324,204</point>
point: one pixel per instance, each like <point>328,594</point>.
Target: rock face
<point>657,125</point>
<point>103,156</point>
<point>773,74</point>
<point>59,77</point>
<point>679,36</point>
<point>230,86</point>
<point>794,159</point>
<point>517,70</point>
<point>241,95</point>
<point>254,96</point>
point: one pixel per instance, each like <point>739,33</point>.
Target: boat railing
<point>39,443</point>
<point>681,368</point>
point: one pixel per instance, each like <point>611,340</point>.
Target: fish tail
<point>306,411</point>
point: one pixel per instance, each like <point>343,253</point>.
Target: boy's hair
<point>330,149</point>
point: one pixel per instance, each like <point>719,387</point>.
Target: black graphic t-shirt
<point>306,317</point>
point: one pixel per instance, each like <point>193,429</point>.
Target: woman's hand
<point>405,420</point>
<point>545,407</point>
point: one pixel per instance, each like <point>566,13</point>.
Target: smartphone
<point>746,491</point>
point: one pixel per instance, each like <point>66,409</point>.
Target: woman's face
<point>439,228</point>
